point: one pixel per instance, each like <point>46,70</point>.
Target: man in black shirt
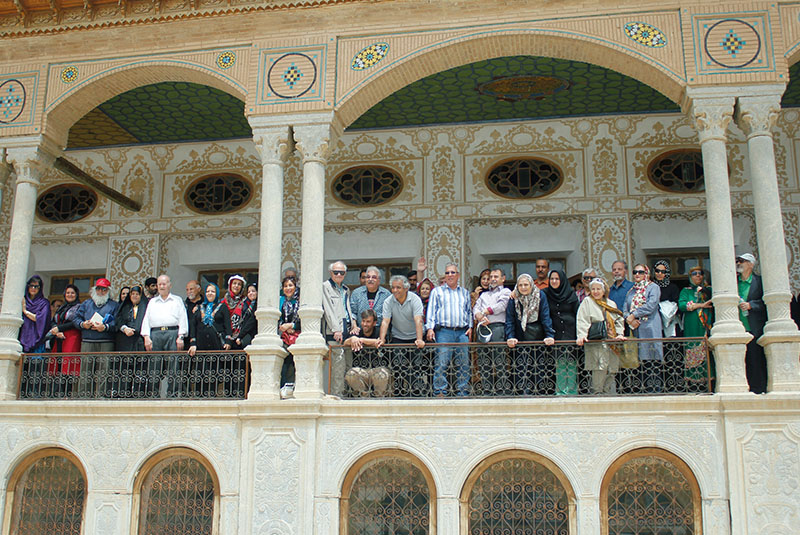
<point>365,372</point>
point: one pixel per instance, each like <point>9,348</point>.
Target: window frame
<point>244,272</point>
<point>481,467</point>
<point>383,167</point>
<point>658,157</point>
<point>511,278</point>
<point>355,469</point>
<point>494,165</point>
<point>11,513</point>
<point>42,218</point>
<point>385,266</point>
<point>144,472</point>
<point>222,174</point>
<point>70,280</point>
<point>677,462</point>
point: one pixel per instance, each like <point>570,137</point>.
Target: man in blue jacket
<point>94,318</point>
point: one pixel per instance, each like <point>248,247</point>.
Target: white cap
<point>748,257</point>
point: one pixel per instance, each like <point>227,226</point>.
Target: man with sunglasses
<point>753,315</point>
<point>449,321</point>
<point>337,323</point>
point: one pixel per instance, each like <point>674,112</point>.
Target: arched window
<point>367,185</point>
<point>176,493</point>
<point>219,194</point>
<point>66,203</point>
<point>518,492</point>
<point>524,178</point>
<point>47,495</point>
<point>388,491</point>
<point>678,171</point>
<point>650,491</point>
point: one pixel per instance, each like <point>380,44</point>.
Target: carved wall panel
<point>444,242</point>
<point>608,241</point>
<point>132,260</point>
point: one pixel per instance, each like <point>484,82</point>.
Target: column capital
<point>31,162</point>
<point>314,141</point>
<point>274,144</point>
<point>757,115</point>
<point>711,116</point>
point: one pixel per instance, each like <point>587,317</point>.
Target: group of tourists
<point>543,308</point>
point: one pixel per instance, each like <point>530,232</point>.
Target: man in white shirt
<point>165,322</point>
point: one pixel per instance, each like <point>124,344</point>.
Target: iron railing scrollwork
<point>662,366</point>
<point>155,375</point>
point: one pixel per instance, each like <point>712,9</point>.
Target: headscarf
<point>127,304</point>
<point>564,293</point>
<point>703,293</point>
<point>290,305</point>
<point>32,333</point>
<point>527,306</point>
<point>66,312</point>
<point>210,307</point>
<point>640,289</point>
<point>662,283</point>
<point>235,304</point>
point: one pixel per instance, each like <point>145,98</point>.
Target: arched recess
<point>176,491</point>
<point>650,490</point>
<point>390,488</point>
<point>46,494</point>
<point>481,46</point>
<point>517,491</point>
<point>61,114</point>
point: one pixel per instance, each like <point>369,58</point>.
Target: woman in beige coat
<point>601,358</point>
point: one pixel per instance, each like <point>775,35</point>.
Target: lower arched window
<point>517,492</point>
<point>47,495</point>
<point>388,491</point>
<point>650,491</point>
<point>177,494</point>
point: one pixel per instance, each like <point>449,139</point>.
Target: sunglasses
<point>34,286</point>
<point>338,272</point>
<point>739,261</point>
<point>661,271</point>
<point>588,278</point>
<point>639,272</point>
<point>451,272</point>
<point>693,273</point>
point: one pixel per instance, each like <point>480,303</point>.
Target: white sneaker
<point>287,391</point>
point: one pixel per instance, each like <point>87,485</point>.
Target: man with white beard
<point>96,337</point>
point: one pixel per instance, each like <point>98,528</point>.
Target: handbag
<point>597,331</point>
<point>630,355</point>
<point>289,339</point>
<point>696,355</point>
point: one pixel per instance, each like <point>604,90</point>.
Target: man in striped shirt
<point>449,321</point>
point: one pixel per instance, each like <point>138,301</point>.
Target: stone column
<point>314,139</point>
<point>266,353</point>
<point>711,117</point>
<point>30,163</point>
<point>781,339</point>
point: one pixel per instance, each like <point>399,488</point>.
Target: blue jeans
<point>443,357</point>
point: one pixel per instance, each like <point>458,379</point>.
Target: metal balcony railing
<point>655,366</point>
<point>155,375</point>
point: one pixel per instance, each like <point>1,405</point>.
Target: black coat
<point>249,328</point>
<point>758,311</point>
<point>563,315</point>
<point>205,337</point>
<point>125,318</point>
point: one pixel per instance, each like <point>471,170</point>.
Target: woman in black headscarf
<point>563,309</point>
<point>668,305</point>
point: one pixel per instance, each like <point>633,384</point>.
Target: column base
<point>782,351</point>
<point>266,359</point>
<point>729,352</point>
<point>9,370</point>
<point>308,363</point>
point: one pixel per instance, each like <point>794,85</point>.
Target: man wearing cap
<point>753,315</point>
<point>94,319</point>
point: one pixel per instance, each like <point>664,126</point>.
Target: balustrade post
<point>30,161</point>
<point>314,136</point>
<point>711,117</point>
<point>266,353</point>
<point>781,340</point>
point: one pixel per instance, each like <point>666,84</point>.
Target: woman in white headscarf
<point>601,359</point>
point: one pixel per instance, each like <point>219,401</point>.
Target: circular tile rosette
<point>226,60</point>
<point>292,75</point>
<point>69,74</point>
<point>369,56</point>
<point>732,43</point>
<point>12,100</point>
<point>646,34</point>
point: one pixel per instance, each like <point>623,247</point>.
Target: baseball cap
<point>748,257</point>
<point>102,283</point>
